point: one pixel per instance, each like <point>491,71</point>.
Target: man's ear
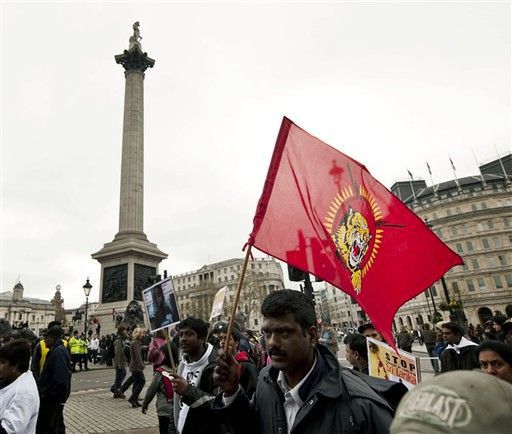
<point>312,333</point>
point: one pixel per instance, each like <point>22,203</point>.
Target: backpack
<point>126,350</point>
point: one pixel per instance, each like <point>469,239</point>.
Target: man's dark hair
<point>121,329</point>
<point>54,323</point>
<point>365,326</point>
<point>357,342</point>
<point>454,327</point>
<point>17,353</point>
<point>196,324</point>
<point>284,301</point>
<point>55,331</point>
<point>504,350</point>
<point>499,319</point>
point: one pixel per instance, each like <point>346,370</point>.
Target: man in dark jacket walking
<point>430,339</point>
<point>305,390</point>
<point>54,384</point>
<point>119,362</point>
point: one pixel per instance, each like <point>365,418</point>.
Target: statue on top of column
<point>135,38</point>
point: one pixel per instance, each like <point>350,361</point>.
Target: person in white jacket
<point>19,399</point>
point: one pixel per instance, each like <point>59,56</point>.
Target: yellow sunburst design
<point>343,196</point>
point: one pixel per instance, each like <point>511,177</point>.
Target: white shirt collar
<point>294,392</point>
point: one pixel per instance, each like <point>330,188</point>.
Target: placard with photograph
<point>161,305</point>
<point>218,302</point>
<point>385,362</point>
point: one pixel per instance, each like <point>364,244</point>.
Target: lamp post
<point>87,290</point>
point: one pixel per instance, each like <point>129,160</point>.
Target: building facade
<point>196,290</point>
<point>20,310</point>
<point>336,308</point>
<point>472,215</point>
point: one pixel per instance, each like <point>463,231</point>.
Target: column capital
<point>134,60</point>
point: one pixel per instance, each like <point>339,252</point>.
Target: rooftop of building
<point>7,296</point>
<point>492,174</point>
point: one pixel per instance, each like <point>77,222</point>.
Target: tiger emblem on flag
<point>352,239</point>
<point>352,221</point>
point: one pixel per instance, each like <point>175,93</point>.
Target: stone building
<point>195,290</point>
<point>473,215</point>
<point>18,310</point>
<point>336,308</point>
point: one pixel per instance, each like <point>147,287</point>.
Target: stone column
<point>131,207</point>
<point>128,261</point>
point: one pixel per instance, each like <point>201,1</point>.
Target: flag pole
<point>237,298</point>
<point>168,342</point>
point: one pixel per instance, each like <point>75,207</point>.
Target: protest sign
<point>161,305</point>
<point>385,362</point>
<point>218,302</point>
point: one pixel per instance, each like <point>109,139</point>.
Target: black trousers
<point>51,418</point>
<point>166,425</point>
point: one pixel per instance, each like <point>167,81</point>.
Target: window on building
<point>484,205</point>
<point>434,291</point>
<point>481,283</point>
<point>473,207</point>
<point>255,321</point>
<point>474,262</point>
<point>480,226</point>
<point>485,243</point>
<point>434,216</point>
<point>459,248</point>
<point>508,278</point>
<point>469,283</point>
<point>490,224</point>
<point>453,230</point>
<point>496,241</point>
<point>439,233</point>
<point>457,210</point>
<point>469,245</point>
<point>448,212</point>
<point>19,316</point>
<point>465,267</point>
<point>464,229</point>
<point>497,282</point>
<point>506,222</point>
<point>455,286</point>
<point>33,318</point>
<point>502,260</point>
<point>491,261</point>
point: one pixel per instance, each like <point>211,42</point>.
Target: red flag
<point>323,212</point>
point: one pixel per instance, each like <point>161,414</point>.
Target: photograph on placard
<point>161,305</point>
<point>385,362</point>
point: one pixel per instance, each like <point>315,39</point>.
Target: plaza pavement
<point>96,411</point>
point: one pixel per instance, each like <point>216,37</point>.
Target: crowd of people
<point>289,380</point>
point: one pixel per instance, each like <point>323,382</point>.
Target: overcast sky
<point>390,84</point>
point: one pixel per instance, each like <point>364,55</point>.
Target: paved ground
<point>91,408</point>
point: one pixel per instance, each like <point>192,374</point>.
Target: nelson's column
<point>130,258</point>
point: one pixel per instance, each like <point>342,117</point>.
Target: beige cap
<point>456,402</point>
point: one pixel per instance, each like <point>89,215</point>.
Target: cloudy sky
<point>390,84</point>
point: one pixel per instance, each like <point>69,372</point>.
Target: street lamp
<point>87,290</point>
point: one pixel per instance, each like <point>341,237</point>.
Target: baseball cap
<point>456,402</point>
